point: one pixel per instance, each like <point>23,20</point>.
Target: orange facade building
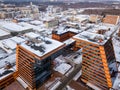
<point>34,61</point>
<point>98,59</point>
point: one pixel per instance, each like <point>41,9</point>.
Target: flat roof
<point>37,28</point>
<point>45,48</point>
<point>62,30</point>
<point>13,27</point>
<point>32,35</point>
<point>92,37</point>
<point>108,28</point>
<point>36,22</point>
<point>10,44</point>
<point>2,70</point>
<point>4,33</point>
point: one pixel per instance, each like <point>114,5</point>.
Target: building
<point>64,33</point>
<point>111,19</point>
<point>4,34</point>
<point>14,28</point>
<point>95,18</point>
<point>34,60</point>
<point>98,59</point>
<point>51,22</point>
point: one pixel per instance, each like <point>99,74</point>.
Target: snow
<point>36,22</point>
<point>62,30</point>
<point>4,33</point>
<point>9,43</point>
<point>70,71</point>
<point>37,28</point>
<point>69,41</point>
<point>77,75</point>
<point>102,26</point>
<point>75,57</point>
<point>69,88</point>
<point>2,53</point>
<point>78,60</point>
<point>48,47</point>
<point>63,68</point>
<point>93,86</point>
<point>32,35</point>
<point>22,82</point>
<point>59,60</point>
<point>48,18</point>
<point>116,84</point>
<point>85,35</point>
<point>11,58</point>
<point>17,39</point>
<point>2,70</point>
<point>55,86</point>
<point>116,45</point>
<point>50,84</point>
<point>10,26</point>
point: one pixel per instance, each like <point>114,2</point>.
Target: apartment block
<point>99,64</point>
<point>34,61</point>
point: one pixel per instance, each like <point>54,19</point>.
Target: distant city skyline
<point>65,0</point>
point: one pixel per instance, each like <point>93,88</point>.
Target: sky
<point>62,0</point>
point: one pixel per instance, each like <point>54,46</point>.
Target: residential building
<point>98,59</point>
<point>34,60</point>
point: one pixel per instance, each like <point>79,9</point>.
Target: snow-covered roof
<point>63,68</point>
<point>8,43</point>
<point>3,70</point>
<point>109,29</point>
<point>17,39</point>
<point>69,41</point>
<point>4,33</point>
<point>82,17</point>
<point>37,28</point>
<point>36,22</point>
<point>32,35</point>
<point>62,30</point>
<point>13,27</point>
<point>46,47</point>
<point>92,37</point>
<point>10,58</point>
<point>48,18</point>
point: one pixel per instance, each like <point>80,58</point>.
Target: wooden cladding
<point>62,37</point>
<point>25,67</point>
<point>33,69</point>
<point>8,80</point>
<point>95,67</point>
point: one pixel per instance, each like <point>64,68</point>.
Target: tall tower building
<point>99,64</point>
<point>34,60</point>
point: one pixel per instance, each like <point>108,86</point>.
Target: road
<point>67,79</point>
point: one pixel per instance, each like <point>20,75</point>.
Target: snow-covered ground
<point>63,68</point>
<point>4,33</point>
<point>116,84</point>
<point>10,58</point>
<point>116,45</point>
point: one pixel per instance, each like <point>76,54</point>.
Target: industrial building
<point>98,59</point>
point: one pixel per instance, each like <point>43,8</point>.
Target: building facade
<point>33,69</point>
<point>98,62</point>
